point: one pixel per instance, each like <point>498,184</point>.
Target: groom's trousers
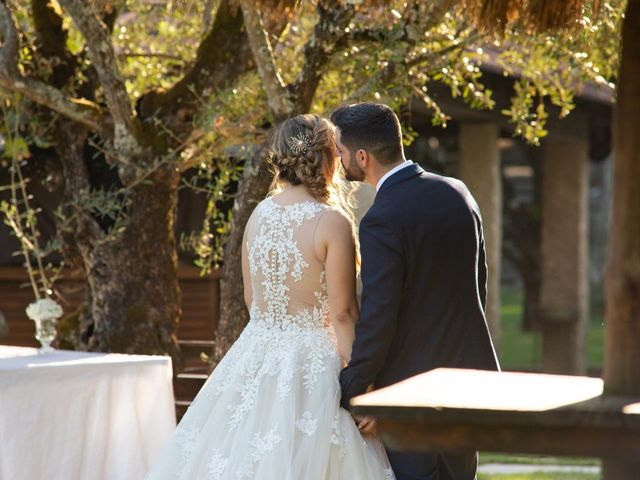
<point>433,466</point>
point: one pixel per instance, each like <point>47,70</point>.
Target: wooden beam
<point>555,441</point>
<point>456,410</point>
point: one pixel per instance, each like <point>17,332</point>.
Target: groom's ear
<point>363,158</point>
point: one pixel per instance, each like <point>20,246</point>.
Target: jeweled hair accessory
<point>300,143</point>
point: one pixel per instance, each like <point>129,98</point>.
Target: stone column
<point>564,255</point>
<point>479,168</point>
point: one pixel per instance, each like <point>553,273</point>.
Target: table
<point>456,409</point>
<point>77,415</point>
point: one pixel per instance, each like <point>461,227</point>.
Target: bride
<point>271,409</point>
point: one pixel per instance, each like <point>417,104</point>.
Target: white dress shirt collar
<point>395,169</point>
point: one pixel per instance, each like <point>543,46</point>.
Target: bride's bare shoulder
<point>334,222</point>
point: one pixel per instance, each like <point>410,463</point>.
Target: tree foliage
<point>175,99</point>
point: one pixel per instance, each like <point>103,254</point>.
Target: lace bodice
<point>287,279</point>
<point>271,408</point>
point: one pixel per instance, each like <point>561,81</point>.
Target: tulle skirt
<point>271,410</point>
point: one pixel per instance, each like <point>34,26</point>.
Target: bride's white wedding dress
<point>270,410</point>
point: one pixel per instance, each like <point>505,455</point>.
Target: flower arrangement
<point>44,308</point>
<point>45,313</point>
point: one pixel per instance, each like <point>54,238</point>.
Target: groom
<point>423,276</point>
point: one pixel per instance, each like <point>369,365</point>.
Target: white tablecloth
<point>75,415</point>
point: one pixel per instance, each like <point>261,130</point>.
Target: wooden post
<point>564,254</point>
<point>622,321</point>
<point>479,168</point>
<point>620,468</point>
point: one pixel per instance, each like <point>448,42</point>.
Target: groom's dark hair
<point>372,127</point>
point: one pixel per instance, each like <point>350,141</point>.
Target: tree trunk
<point>234,316</point>
<point>71,330</point>
<point>134,279</point>
<point>622,281</point>
<point>622,318</point>
<point>133,296</point>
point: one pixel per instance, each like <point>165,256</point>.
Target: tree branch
<point>390,72</point>
<point>207,17</point>
<point>80,110</point>
<point>222,57</point>
<point>104,61</point>
<point>277,95</point>
<point>10,44</point>
<point>78,228</point>
<point>165,56</point>
<point>430,56</point>
<point>329,37</point>
<point>383,78</point>
<point>51,43</point>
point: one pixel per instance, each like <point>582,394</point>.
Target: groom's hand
<point>366,425</point>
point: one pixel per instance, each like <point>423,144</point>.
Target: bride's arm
<point>246,274</point>
<point>334,240</point>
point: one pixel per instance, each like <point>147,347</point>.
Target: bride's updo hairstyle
<point>303,152</point>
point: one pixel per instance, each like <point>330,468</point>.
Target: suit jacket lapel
<point>400,176</point>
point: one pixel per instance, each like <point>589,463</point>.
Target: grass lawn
<point>486,458</point>
<point>522,350</point>
<point>536,460</point>
<point>541,476</point>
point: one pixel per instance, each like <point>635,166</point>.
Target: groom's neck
<point>381,170</point>
<point>388,168</point>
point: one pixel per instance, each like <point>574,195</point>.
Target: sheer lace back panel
<point>271,408</point>
<point>287,278</point>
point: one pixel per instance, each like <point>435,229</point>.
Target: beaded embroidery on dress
<point>270,410</point>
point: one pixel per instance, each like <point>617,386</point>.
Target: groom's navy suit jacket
<point>424,280</point>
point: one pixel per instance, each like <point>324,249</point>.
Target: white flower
<point>44,308</point>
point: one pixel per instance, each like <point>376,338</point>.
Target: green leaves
<point>552,69</point>
<point>156,45</point>
<point>392,54</point>
<point>15,147</point>
<point>18,212</point>
<point>214,179</point>
<point>527,112</point>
